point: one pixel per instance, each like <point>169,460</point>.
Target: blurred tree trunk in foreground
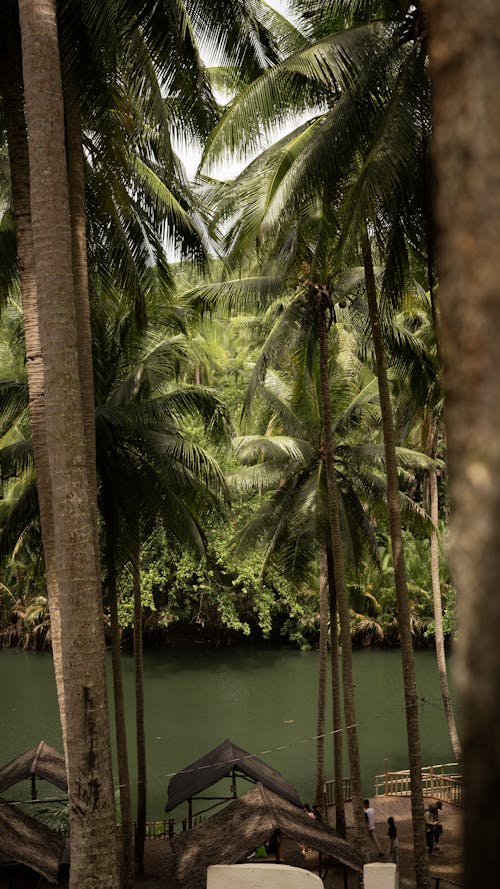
<point>465,67</point>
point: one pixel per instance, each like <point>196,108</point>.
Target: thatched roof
<point>42,761</point>
<point>219,763</point>
<point>244,824</point>
<point>23,840</point>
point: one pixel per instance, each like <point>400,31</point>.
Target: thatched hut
<point>225,760</point>
<point>247,822</point>
<point>25,841</point>
<point>38,762</point>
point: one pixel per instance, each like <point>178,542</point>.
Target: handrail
<point>329,791</point>
<point>437,783</point>
<point>438,879</point>
<point>446,765</point>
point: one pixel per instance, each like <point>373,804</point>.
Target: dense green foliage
<point>235,340</point>
<point>227,594</point>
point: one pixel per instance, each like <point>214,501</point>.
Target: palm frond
<point>301,81</point>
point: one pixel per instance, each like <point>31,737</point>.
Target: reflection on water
<point>262,699</point>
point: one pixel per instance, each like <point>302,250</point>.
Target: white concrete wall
<point>261,876</point>
<point>380,875</point>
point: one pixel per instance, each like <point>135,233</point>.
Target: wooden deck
<point>397,806</point>
<point>446,863</point>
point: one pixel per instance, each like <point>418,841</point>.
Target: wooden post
<point>386,763</point>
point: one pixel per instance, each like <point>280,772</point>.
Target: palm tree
<point>11,86</point>
<point>148,466</point>
<point>297,516</point>
<point>400,582</point>
<point>87,735</point>
<point>72,207</point>
<point>358,159</point>
<point>413,345</point>
<point>322,305</point>
<point>322,678</point>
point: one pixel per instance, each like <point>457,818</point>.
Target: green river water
<point>262,699</point>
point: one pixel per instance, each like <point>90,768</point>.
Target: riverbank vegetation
<point>220,397</point>
<point>225,595</point>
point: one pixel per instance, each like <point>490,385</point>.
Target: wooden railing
<point>329,791</point>
<point>159,830</point>
<point>163,830</point>
<point>438,879</point>
<point>442,781</point>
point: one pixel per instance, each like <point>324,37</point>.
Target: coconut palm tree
<point>412,342</point>
<point>297,517</point>
<point>148,470</point>
<point>87,735</point>
<point>360,156</point>
<point>74,205</point>
<point>148,466</point>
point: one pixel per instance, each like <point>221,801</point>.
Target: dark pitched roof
<point>23,840</point>
<point>244,824</point>
<point>218,763</point>
<point>42,761</point>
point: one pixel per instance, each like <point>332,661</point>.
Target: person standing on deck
<point>434,809</point>
<point>392,833</point>
<point>370,826</point>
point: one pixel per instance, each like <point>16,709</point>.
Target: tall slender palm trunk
<point>76,184</point>
<point>438,611</point>
<point>126,850</point>
<point>409,680</point>
<point>140,830</point>
<point>322,678</point>
<point>11,89</point>
<point>338,766</point>
<point>319,296</point>
<point>91,801</point>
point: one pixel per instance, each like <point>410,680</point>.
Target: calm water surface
<point>263,700</point>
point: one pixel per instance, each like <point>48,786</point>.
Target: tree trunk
<point>127,870</point>
<point>11,88</point>
<point>465,66</point>
<point>76,183</point>
<point>91,801</point>
<point>339,574</point>
<point>322,679</point>
<point>438,617</point>
<point>140,830</point>
<point>338,770</point>
<point>409,681</point>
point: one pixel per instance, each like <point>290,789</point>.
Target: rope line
<point>419,700</point>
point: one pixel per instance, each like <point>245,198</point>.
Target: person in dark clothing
<point>433,830</point>
<point>435,808</point>
<point>392,833</point>
<point>429,830</point>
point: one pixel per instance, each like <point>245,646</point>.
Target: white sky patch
<point>229,167</point>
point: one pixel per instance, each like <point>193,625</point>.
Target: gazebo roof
<point>244,824</point>
<point>23,840</point>
<point>219,763</point>
<point>42,761</point>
